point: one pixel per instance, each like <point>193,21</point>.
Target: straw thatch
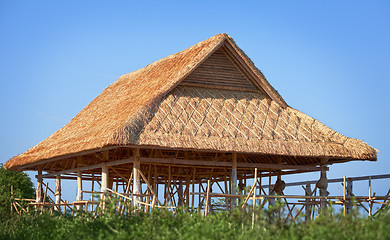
<point>165,104</point>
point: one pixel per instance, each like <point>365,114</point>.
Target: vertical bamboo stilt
<point>104,183</point>
<point>349,194</point>
<point>57,191</point>
<point>308,206</point>
<point>148,200</point>
<point>254,199</point>
<point>180,196</point>
<point>193,190</point>
<point>199,196</point>
<point>136,178</point>
<point>92,190</point>
<point>188,182</point>
<point>207,207</point>
<point>155,182</point>
<point>226,191</point>
<point>344,194</point>
<point>39,192</point>
<point>322,184</point>
<point>79,196</point>
<point>369,197</point>
<point>234,179</point>
<point>271,201</point>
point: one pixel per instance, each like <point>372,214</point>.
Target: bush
<point>165,225</point>
<point>22,188</point>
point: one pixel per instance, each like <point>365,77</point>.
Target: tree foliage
<point>22,188</point>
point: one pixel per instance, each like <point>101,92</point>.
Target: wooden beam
<point>90,167</point>
<point>228,164</point>
<point>29,166</point>
<point>199,163</point>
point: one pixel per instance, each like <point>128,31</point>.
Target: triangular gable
<point>218,71</point>
<point>241,72</point>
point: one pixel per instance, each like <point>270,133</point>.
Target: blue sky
<point>328,59</point>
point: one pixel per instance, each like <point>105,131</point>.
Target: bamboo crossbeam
<point>336,180</point>
<point>322,197</point>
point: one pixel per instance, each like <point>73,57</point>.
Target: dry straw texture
<point>150,107</point>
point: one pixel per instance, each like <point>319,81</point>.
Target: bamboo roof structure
<point>209,98</point>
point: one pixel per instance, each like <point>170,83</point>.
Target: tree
<point>22,188</point>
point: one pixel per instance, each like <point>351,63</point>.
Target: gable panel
<point>219,71</point>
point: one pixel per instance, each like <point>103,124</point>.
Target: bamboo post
<point>193,190</point>
<point>79,196</point>
<point>199,197</point>
<point>254,200</point>
<point>188,181</point>
<point>271,201</point>
<point>92,189</point>
<point>180,195</point>
<point>148,200</point>
<point>344,193</point>
<point>226,190</point>
<point>136,177</point>
<point>322,184</point>
<point>369,197</point>
<point>206,210</point>
<point>58,191</point>
<point>349,194</point>
<point>39,192</point>
<point>308,207</point>
<point>234,179</point>
<point>104,183</point>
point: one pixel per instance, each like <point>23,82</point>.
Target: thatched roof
<point>207,97</point>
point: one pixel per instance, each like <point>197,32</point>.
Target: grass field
<point>165,225</point>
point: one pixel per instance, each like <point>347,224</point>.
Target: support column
<point>322,184</point>
<point>136,178</point>
<point>180,199</point>
<point>58,191</point>
<point>104,182</point>
<point>308,202</point>
<point>279,186</point>
<point>79,196</point>
<point>271,201</point>
<point>349,194</point>
<point>234,179</point>
<point>38,194</point>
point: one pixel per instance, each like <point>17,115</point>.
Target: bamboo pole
<point>207,198</point>
<point>226,191</point>
<point>187,193</point>
<point>234,178</point>
<point>349,194</point>
<point>254,200</point>
<point>79,196</point>
<point>39,185</point>
<point>136,177</point>
<point>104,184</point>
<point>58,191</point>
<point>193,190</point>
<point>369,195</point>
<point>92,189</point>
<point>344,203</point>
<point>308,207</point>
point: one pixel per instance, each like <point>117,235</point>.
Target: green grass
<point>165,225</point>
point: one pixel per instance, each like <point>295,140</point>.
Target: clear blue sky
<point>328,59</point>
